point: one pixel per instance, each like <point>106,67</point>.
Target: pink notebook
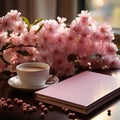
<point>82,93</point>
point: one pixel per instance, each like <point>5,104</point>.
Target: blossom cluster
<point>82,44</point>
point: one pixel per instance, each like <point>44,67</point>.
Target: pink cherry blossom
<point>90,43</point>
<point>15,40</point>
<point>6,23</point>
<point>14,15</point>
<point>84,17</point>
<point>19,27</point>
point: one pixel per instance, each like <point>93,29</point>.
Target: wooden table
<point>17,113</point>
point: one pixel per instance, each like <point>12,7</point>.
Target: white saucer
<point>15,82</point>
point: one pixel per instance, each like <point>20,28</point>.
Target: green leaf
<point>39,29</point>
<point>118,46</point>
<point>37,21</point>
<point>23,52</point>
<point>26,20</point>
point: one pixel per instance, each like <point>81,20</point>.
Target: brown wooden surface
<point>7,91</point>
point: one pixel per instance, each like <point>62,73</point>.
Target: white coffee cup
<point>33,73</point>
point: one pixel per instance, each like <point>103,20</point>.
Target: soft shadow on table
<point>27,96</point>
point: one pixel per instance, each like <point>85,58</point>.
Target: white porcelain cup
<point>33,73</point>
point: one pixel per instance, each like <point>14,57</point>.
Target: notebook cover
<point>82,93</point>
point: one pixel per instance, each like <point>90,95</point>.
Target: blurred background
<point>105,11</point>
<point>47,9</point>
<point>101,10</point>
